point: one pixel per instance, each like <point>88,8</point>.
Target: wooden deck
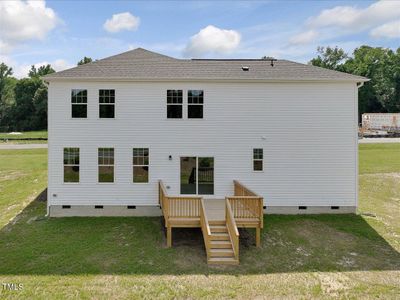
<point>219,219</point>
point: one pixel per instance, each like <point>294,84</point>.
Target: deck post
<point>169,237</point>
<point>258,236</point>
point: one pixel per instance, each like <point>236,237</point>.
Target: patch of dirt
<point>333,284</point>
<point>346,261</point>
<point>313,231</point>
<point>10,175</point>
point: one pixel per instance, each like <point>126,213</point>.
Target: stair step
<point>220,236</point>
<point>218,228</point>
<point>221,252</point>
<point>221,222</point>
<point>221,245</point>
<point>223,261</point>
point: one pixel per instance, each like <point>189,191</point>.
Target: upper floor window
<point>174,104</point>
<point>195,104</point>
<point>107,104</point>
<point>258,157</point>
<point>78,103</point>
<point>140,165</point>
<point>71,164</point>
<point>106,164</point>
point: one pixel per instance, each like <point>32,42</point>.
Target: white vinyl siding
<point>307,130</point>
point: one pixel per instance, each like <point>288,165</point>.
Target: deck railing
<point>232,228</point>
<point>178,206</point>
<point>246,204</point>
<point>205,228</point>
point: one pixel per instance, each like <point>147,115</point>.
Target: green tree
<point>381,66</point>
<point>330,58</point>
<point>40,107</point>
<point>85,60</point>
<point>23,111</point>
<point>7,84</point>
<point>41,71</point>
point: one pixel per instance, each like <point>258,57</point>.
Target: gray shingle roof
<point>141,64</point>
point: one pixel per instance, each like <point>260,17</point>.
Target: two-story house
<point>118,126</point>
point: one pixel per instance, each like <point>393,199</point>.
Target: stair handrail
<point>205,227</point>
<point>232,228</point>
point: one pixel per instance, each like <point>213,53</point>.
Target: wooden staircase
<point>220,247</point>
<point>218,219</point>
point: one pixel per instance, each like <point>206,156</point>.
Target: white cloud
<point>24,20</point>
<point>388,30</point>
<point>212,39</point>
<point>357,19</point>
<point>122,21</point>
<point>303,38</point>
<point>21,71</point>
<point>345,20</point>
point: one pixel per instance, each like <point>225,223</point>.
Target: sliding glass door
<point>197,175</point>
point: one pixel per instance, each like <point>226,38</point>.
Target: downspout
<point>360,84</point>
<point>47,204</point>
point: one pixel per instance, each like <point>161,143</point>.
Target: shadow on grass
<point>34,244</point>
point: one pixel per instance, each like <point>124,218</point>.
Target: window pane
<point>257,165</point>
<point>174,96</point>
<point>206,175</point>
<point>106,156</point>
<point>141,174</point>
<point>174,111</point>
<point>78,96</point>
<point>195,96</point>
<point>71,156</point>
<point>258,153</point>
<point>71,173</point>
<point>106,111</point>
<point>79,111</point>
<point>106,174</point>
<point>195,111</point>
<point>188,175</point>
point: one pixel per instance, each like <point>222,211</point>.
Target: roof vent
<point>245,68</point>
<point>270,58</point>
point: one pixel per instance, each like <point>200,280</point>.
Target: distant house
<point>129,131</point>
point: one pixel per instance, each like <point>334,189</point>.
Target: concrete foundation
<point>106,211</point>
<point>155,211</point>
<point>299,210</point>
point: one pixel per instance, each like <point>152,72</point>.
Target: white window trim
<point>105,165</point>
<point>148,165</point>
<point>72,165</point>
<point>87,97</point>
<point>258,159</point>
<point>98,102</point>
<point>187,104</point>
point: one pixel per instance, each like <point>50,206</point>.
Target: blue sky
<point>62,32</point>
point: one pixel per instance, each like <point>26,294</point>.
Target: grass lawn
<point>32,135</point>
<point>321,256</point>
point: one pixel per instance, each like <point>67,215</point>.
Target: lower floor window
<point>106,164</point>
<point>258,157</point>
<point>71,165</point>
<point>140,165</point>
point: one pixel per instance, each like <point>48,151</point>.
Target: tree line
<point>23,102</point>
<point>381,65</point>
